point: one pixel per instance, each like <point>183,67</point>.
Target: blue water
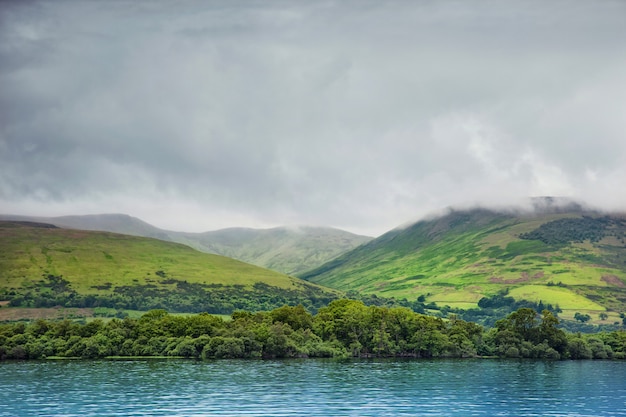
<point>313,388</point>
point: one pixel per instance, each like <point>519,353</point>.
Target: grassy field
<point>9,314</point>
<point>94,259</point>
<point>101,263</point>
<point>458,259</point>
<point>31,314</point>
<point>573,260</point>
<point>564,297</point>
<point>289,250</point>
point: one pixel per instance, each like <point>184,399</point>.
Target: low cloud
<point>359,115</point>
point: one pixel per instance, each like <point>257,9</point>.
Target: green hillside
<point>572,259</point>
<point>290,250</point>
<point>44,266</point>
<point>115,223</point>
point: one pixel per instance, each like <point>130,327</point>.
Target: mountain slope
<point>291,250</point>
<point>114,223</point>
<point>42,265</point>
<point>572,258</point>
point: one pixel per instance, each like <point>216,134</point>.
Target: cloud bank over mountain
<point>359,115</point>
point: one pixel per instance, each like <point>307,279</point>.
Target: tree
<point>202,324</point>
<point>598,349</point>
<point>582,317</point>
<point>224,347</point>
<point>186,348</point>
<point>296,317</point>
<point>345,321</point>
<point>429,339</point>
<point>578,348</point>
<point>380,341</point>
<point>554,337</point>
<point>522,322</point>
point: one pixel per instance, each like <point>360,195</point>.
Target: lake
<point>313,387</point>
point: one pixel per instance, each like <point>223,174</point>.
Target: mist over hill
<point>564,254</point>
<point>115,223</point>
<point>291,250</point>
<point>548,250</point>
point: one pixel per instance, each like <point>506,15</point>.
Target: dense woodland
<point>344,328</point>
<point>578,230</point>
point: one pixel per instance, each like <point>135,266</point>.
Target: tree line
<point>568,230</point>
<point>171,295</point>
<point>344,328</point>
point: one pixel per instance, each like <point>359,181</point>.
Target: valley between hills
<point>567,258</point>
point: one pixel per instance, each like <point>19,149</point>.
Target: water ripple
<point>312,388</point>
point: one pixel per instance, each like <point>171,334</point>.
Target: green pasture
<point>457,265</point>
<point>564,297</point>
<point>96,261</point>
<point>454,260</point>
<point>612,317</point>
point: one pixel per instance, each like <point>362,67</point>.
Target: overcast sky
<point>362,115</point>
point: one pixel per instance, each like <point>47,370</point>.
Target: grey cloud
<point>353,114</point>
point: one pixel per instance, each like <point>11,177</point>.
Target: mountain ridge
<point>463,255</point>
<point>287,249</point>
<point>43,266</point>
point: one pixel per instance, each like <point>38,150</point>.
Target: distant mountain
<point>42,265</point>
<point>291,250</point>
<point>559,254</point>
<point>115,223</point>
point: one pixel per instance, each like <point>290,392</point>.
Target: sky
<point>361,115</point>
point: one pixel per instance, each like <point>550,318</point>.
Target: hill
<point>115,223</point>
<point>569,257</point>
<point>291,250</point>
<point>42,265</point>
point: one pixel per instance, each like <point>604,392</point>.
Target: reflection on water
<point>313,388</point>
